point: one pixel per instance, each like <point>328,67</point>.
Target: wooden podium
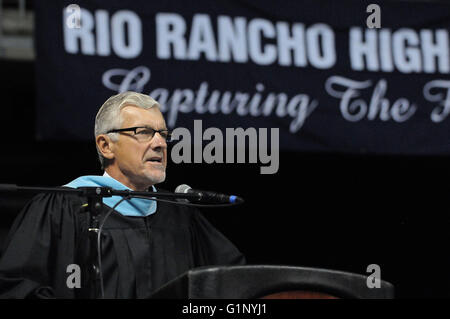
<point>271,282</point>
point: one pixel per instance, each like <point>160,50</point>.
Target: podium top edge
<point>290,268</point>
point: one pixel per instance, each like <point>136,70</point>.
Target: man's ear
<point>105,145</point>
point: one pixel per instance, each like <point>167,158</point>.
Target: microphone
<point>208,197</point>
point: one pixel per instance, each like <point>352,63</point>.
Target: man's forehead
<point>131,113</point>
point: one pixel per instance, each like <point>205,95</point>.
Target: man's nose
<point>158,141</point>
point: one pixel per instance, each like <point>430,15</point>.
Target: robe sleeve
<point>211,247</point>
<point>25,267</point>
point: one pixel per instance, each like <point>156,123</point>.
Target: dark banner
<point>338,76</point>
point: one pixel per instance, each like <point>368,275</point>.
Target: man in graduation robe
<point>144,243</point>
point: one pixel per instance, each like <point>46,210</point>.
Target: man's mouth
<point>155,159</point>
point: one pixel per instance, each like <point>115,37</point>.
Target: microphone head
<point>236,199</point>
<point>183,188</point>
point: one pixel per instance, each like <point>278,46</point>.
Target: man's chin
<point>156,178</point>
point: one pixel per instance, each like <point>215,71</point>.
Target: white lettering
<point>260,54</point>
<point>321,50</point>
<point>406,51</point>
<point>93,37</point>
<point>84,34</point>
<point>232,36</point>
<point>240,40</point>
<point>432,50</point>
<point>288,43</point>
<point>102,26</point>
<point>438,91</point>
<point>354,110</point>
<point>299,107</point>
<point>360,49</point>
<point>202,39</point>
<point>170,29</point>
<point>133,32</point>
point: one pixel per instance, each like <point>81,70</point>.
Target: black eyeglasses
<point>145,133</point>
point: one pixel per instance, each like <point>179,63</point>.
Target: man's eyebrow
<point>153,128</point>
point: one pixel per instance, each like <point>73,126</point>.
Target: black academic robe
<point>139,254</point>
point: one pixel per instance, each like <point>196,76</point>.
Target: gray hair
<point>108,117</point>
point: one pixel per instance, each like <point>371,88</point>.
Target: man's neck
<point>124,181</point>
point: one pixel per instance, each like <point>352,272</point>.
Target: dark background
<point>337,211</point>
